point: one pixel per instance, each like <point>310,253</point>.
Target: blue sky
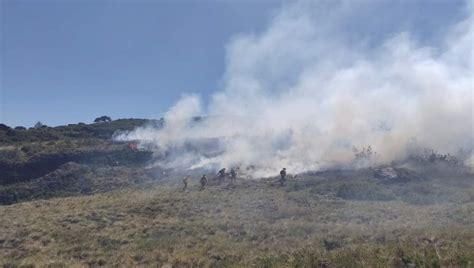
<point>71,61</point>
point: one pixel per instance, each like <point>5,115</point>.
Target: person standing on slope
<point>221,175</point>
<point>203,181</point>
<point>282,176</point>
<point>233,175</point>
<point>185,182</point>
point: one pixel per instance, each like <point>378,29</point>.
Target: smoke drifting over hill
<point>303,94</point>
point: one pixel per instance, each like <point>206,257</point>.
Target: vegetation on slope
<point>32,160</point>
<point>253,223</point>
<point>72,197</point>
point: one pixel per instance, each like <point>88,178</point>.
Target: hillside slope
<point>251,223</point>
<point>86,201</point>
<point>33,160</point>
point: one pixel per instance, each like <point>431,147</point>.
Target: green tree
<point>103,118</point>
<point>39,125</point>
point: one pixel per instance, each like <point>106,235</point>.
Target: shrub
<point>364,153</point>
<point>4,127</point>
<point>39,125</point>
<point>103,118</point>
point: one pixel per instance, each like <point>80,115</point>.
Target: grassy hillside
<point>33,162</point>
<point>71,197</point>
<point>251,223</point>
<point>103,130</point>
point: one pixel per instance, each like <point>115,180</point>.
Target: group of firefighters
<point>222,174</point>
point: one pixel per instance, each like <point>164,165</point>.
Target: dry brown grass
<point>252,223</point>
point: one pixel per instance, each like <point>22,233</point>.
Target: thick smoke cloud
<point>305,92</point>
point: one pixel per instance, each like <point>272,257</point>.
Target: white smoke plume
<point>301,95</point>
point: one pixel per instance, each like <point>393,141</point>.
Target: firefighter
<point>203,181</point>
<point>185,182</point>
<point>233,175</point>
<point>283,176</point>
<point>221,175</point>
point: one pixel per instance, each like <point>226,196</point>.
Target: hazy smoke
<point>305,92</point>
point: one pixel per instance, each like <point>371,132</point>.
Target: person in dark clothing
<point>221,175</point>
<point>203,181</point>
<point>283,176</point>
<point>185,182</point>
<point>233,175</point>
